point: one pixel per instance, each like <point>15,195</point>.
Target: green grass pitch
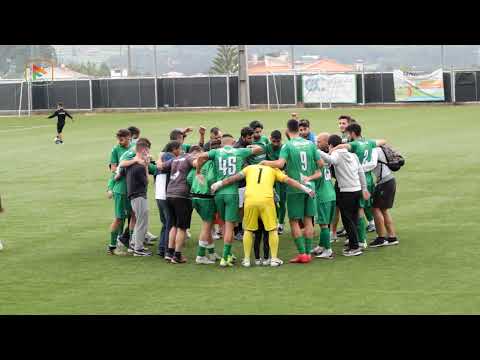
<point>55,228</point>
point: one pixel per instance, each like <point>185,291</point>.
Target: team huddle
<point>243,190</point>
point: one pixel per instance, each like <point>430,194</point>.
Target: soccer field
<point>56,225</point>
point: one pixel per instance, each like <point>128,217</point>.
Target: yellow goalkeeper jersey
<point>260,181</point>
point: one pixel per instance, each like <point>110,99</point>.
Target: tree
<point>91,69</point>
<point>226,60</point>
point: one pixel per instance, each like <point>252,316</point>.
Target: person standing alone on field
<point>60,115</point>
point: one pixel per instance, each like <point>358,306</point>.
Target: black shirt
<point>60,114</point>
<point>137,181</point>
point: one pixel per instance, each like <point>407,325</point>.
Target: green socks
<point>211,248</point>
<point>300,243</point>
<point>113,238</point>
<point>325,238</point>
<point>227,250</point>
<point>201,250</point>
<point>362,230</point>
<point>308,245</point>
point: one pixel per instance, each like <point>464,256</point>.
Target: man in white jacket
<point>352,185</point>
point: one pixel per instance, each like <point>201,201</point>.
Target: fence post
<point>91,97</point>
<point>268,94</point>
<point>363,86</point>
<point>452,85</point>
<point>174,101</point>
<point>210,90</point>
<point>227,79</point>
<point>156,92</point>
<point>381,86</point>
<point>475,76</point>
<point>76,92</point>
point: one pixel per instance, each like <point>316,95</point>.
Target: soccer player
<point>325,197</point>
<point>363,148</point>
<point>272,151</point>
<point>136,177</point>
<point>383,198</point>
<point>179,201</point>
<point>259,204</point>
<point>302,159</point>
<point>352,187</point>
<point>135,134</point>
<point>203,202</point>
<point>305,132</point>
<point>245,140</point>
<point>60,114</point>
<point>215,135</point>
<point>171,151</point>
<point>118,191</point>
<point>228,161</point>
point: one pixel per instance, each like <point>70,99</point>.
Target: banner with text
<point>415,87</point>
<point>330,88</point>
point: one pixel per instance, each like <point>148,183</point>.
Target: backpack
<point>395,160</point>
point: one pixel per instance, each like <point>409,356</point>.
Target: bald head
<point>322,141</point>
<point>227,140</point>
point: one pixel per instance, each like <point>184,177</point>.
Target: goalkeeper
<point>259,204</point>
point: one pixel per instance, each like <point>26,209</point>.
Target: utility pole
<point>243,85</point>
<point>294,73</point>
<point>129,57</point>
<point>442,52</point>
<point>155,65</point>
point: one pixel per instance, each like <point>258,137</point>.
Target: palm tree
<point>226,60</point>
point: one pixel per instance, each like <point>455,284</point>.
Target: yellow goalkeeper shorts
<point>259,209</point>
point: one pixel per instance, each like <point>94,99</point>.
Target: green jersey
<point>208,172</point>
<point>120,185</point>
<point>228,161</point>
<point>256,159</point>
<point>117,153</point>
<point>301,156</point>
<point>271,153</point>
<point>363,148</point>
<point>324,186</point>
<point>344,138</point>
<point>186,147</point>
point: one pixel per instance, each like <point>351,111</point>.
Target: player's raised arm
<point>66,113</point>
<point>329,159</point>
<point>380,142</point>
<point>201,131</point>
<point>276,164</point>
<point>201,159</point>
<point>342,146</point>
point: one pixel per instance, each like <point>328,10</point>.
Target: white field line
<point>26,128</point>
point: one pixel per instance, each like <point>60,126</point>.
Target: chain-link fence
<point>206,91</point>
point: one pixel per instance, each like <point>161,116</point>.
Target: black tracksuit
<point>60,114</point>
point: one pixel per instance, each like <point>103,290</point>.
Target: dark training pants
<point>349,203</point>
<point>258,239</point>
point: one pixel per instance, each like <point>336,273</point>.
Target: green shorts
<point>227,207</point>
<point>123,208</point>
<point>300,205</point>
<point>325,212</point>
<point>205,208</point>
<point>368,203</point>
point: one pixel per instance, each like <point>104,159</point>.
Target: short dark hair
<point>123,133</point>
<point>276,134</point>
<point>292,125</point>
<point>246,131</point>
<point>174,134</point>
<point>354,128</point>
<point>304,123</point>
<point>346,117</point>
<point>134,130</point>
<point>352,121</point>
<point>144,143</point>
<point>215,144</point>
<point>334,140</point>
<point>227,136</point>
<point>195,148</point>
<point>256,124</point>
<point>214,131</point>
<point>171,146</point>
<point>60,104</point>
